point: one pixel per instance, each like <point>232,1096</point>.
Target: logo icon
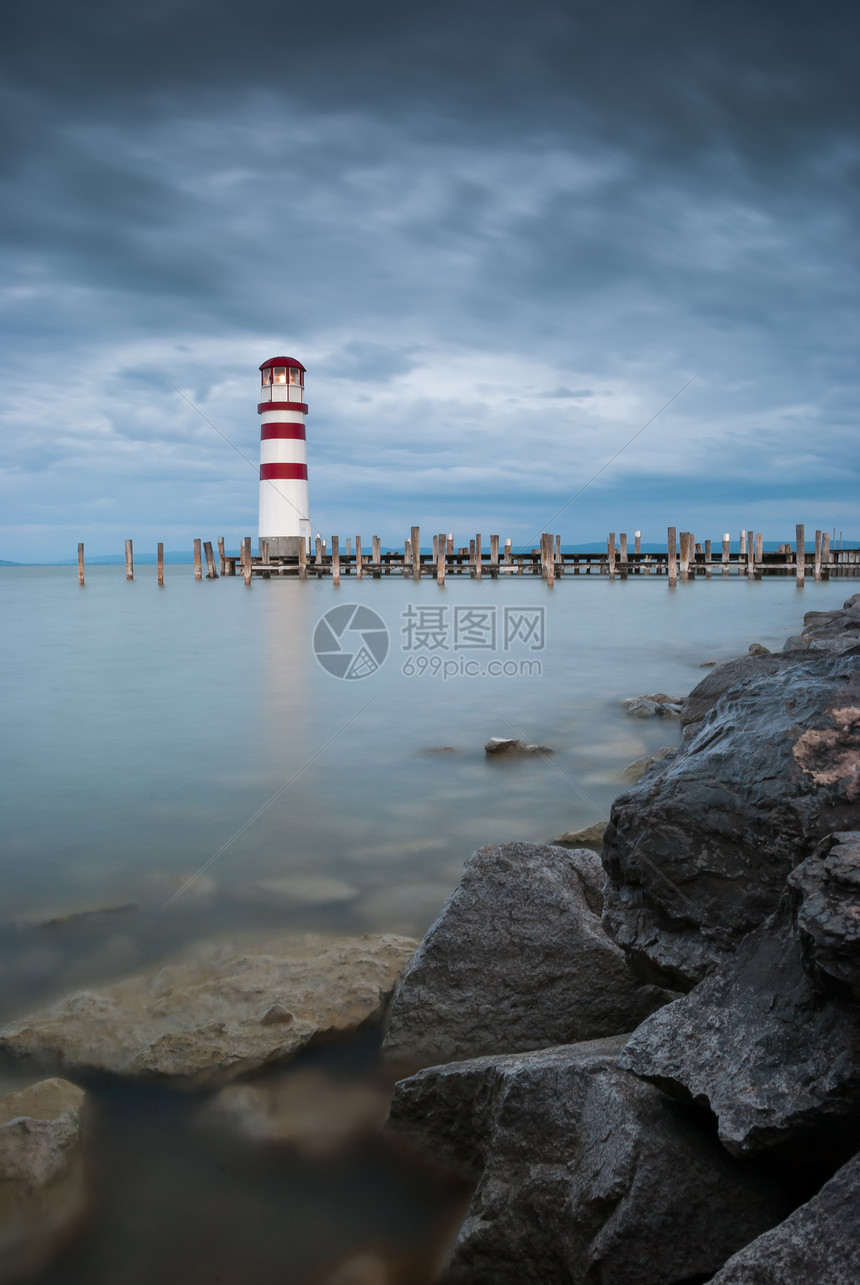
<point>351,641</point>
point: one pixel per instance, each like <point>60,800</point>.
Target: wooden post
<point>129,561</point>
<point>685,554</point>
<point>335,559</point>
<point>348,545</point>
<point>450,542</point>
<point>727,546</point>
<point>318,551</point>
<point>159,563</point>
<point>758,563</point>
<point>637,541</point>
<point>377,559</point>
<point>478,556</point>
<point>358,568</point>
<point>494,556</point>
<point>407,557</point>
<point>416,553</point>
<point>743,545</point>
<point>80,564</point>
<point>750,555</point>
<point>222,556</point>
<point>303,561</point>
<point>198,563</point>
<point>672,564</point>
<point>472,558</point>
<point>246,550</point>
<point>817,571</point>
<point>708,559</point>
<point>800,533</point>
<point>550,560</point>
<point>211,573</point>
<point>825,553</point>
<point>508,553</point>
<point>441,551</point>
<point>622,540</point>
<point>610,548</point>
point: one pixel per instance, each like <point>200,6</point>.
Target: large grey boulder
<point>42,1191</point>
<point>516,959</point>
<point>219,1013</point>
<point>758,1043</point>
<point>833,631</point>
<point>698,852</point>
<point>819,1244</point>
<point>826,891</point>
<point>585,1174</point>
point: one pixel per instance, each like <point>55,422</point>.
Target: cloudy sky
<point>501,237</point>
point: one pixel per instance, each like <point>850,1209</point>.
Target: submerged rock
<point>509,745</point>
<point>42,1192</point>
<point>208,1019</point>
<point>636,770</point>
<point>590,837</point>
<point>517,959</point>
<point>697,854</point>
<point>659,705</point>
<point>584,1172</point>
<point>315,1113</point>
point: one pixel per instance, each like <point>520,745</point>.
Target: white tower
<point>284,509</point>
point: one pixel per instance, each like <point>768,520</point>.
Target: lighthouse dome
<point>282,361</point>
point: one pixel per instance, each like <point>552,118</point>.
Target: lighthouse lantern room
<point>284,512</point>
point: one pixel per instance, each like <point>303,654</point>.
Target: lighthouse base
<point>284,546</point>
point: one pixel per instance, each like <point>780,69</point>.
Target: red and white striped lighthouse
<point>284,511</point>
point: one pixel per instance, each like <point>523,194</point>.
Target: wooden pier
<point>683,559</point>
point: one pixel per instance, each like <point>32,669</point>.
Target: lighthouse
<point>284,513</point>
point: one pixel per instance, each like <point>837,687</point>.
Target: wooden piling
<point>335,559</point>
<point>727,553</point>
<point>825,554</point>
<point>159,563</point>
<point>672,559</point>
<point>478,556</point>
<point>129,560</point>
<point>685,554</point>
<point>817,569</point>
<point>211,573</point>
<point>550,560</point>
<point>246,558</point>
<point>80,564</point>
<point>508,553</point>
<point>441,552</point>
<point>222,556</point>
<point>758,562</point>
<point>348,545</point>
<point>358,566</point>
<point>622,540</point>
<point>376,558</point>
<point>494,556</point>
<point>416,553</point>
<point>637,541</point>
<point>708,548</point>
<point>800,534</point>
<point>610,549</point>
<point>198,564</point>
<point>303,561</point>
<point>743,544</point>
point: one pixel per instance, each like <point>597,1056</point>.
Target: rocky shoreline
<point>640,1043</point>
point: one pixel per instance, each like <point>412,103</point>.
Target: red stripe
<point>293,432</point>
<point>276,472</point>
<point>262,407</point>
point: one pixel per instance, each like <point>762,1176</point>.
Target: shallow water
<point>156,736</point>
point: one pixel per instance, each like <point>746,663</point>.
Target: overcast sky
<point>501,237</point>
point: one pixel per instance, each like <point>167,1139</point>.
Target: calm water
<point>146,730</point>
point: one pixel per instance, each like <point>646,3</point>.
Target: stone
<point>757,1044</point>
<point>826,891</point>
<point>659,705</point>
<point>819,1244</point>
<point>636,770</point>
<point>203,1021</point>
<point>43,1197</point>
<point>590,837</point>
<point>724,678</point>
<point>516,959</point>
<point>758,649</point>
<point>584,1173</point>
<point>697,854</point>
<point>830,631</point>
<point>509,745</point>
<point>308,1110</point>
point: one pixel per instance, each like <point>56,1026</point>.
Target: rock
<point>42,1191</point>
<point>636,770</point>
<point>507,745</point>
<point>590,837</point>
<point>697,855</point>
<point>315,1113</point>
<point>826,891</point>
<point>203,1021</point>
<point>659,705</point>
<point>724,678</point>
<point>585,1173</point>
<point>819,1244</point>
<point>516,959</point>
<point>756,649</point>
<point>758,1044</point>
<point>439,749</point>
<point>830,631</point>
